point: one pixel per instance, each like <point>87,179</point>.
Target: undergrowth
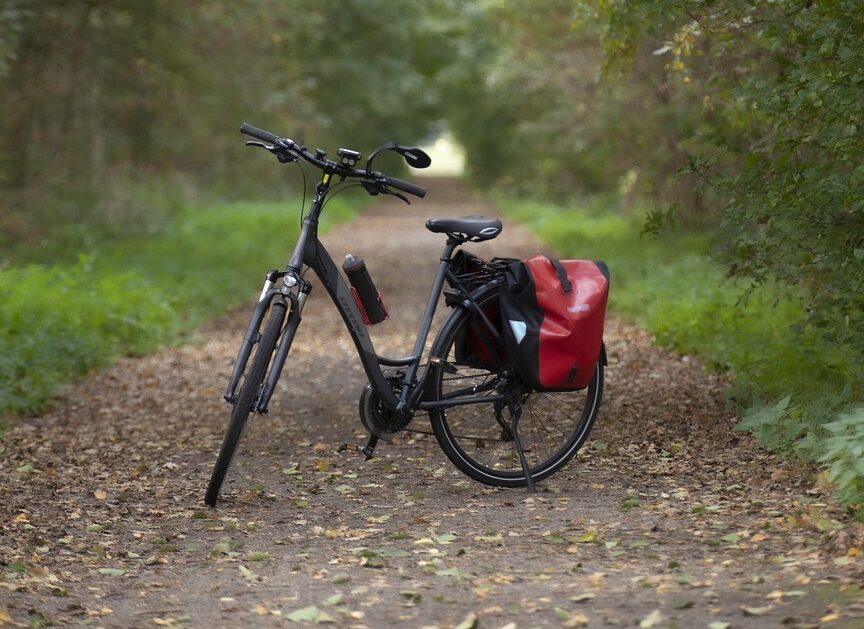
<point>799,392</point>
<point>58,321</point>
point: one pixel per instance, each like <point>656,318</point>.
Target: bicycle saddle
<point>473,227</point>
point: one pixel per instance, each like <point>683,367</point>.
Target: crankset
<point>376,416</point>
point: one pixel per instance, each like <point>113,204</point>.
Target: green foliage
<point>793,380</point>
<point>844,451</point>
<point>101,96</point>
<point>766,421</point>
<point>531,109</point>
<point>780,143</point>
<point>57,321</point>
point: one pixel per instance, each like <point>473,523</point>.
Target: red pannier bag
<point>552,315</point>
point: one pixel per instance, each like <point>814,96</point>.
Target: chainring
<point>376,417</point>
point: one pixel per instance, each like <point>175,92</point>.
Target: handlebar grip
<point>407,186</point>
<point>261,134</point>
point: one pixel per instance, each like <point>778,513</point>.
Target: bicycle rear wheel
<point>476,437</point>
<point>249,390</point>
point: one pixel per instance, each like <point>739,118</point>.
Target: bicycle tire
<point>246,397</point>
<point>473,438</point>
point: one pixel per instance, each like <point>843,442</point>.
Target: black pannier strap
<point>562,274</point>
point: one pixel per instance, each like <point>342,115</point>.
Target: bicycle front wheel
<point>476,437</point>
<point>249,391</point>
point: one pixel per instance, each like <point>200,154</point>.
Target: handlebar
<point>261,134</point>
<point>406,186</point>
<point>288,145</point>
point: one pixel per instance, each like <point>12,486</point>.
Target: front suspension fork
<point>253,334</point>
<point>285,340</point>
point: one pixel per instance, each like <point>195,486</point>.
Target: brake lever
<point>260,145</point>
<point>281,153</point>
<point>398,195</point>
<point>376,187</point>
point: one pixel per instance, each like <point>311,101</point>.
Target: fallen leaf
<point>372,562</point>
<point>588,537</point>
<point>651,620</point>
<point>469,622</point>
<point>111,572</point>
<point>719,625</point>
<point>553,538</point>
<point>577,619</point>
<point>257,555</point>
<point>322,465</point>
<point>378,519</point>
<point>490,536</point>
<point>324,617</point>
<point>307,614</point>
<point>248,574</point>
<point>447,538</point>
<point>756,611</point>
<point>5,618</point>
<point>584,596</point>
<point>100,494</point>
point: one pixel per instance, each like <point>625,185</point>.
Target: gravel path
<point>667,518</point>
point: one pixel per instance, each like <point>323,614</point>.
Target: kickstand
<point>369,448</point>
<point>516,413</point>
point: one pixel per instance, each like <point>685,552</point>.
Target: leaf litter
<point>664,517</point>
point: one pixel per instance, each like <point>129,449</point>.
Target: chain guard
<point>376,417</point>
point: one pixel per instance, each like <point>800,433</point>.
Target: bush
<point>58,323</point>
<point>128,297</point>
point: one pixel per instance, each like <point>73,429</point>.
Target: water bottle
<point>363,288</point>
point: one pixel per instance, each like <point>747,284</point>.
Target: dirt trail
<point>666,518</point>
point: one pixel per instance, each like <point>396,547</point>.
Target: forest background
<point>710,150</point>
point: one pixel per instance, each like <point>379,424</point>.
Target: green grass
<point>793,385</point>
<point>57,322</point>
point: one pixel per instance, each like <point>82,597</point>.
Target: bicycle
<point>475,403</point>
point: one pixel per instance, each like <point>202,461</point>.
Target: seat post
<point>426,321</point>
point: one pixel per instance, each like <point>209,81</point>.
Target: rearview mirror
<point>416,158</point>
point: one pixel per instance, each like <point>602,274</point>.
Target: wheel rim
<point>552,427</point>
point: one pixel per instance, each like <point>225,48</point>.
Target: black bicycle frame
<point>310,251</point>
